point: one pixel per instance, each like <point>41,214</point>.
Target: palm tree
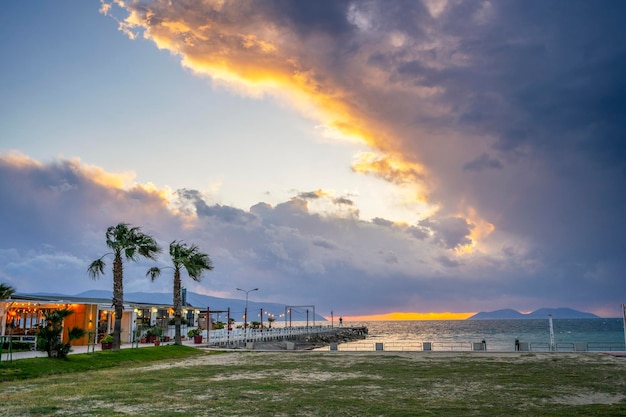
<point>195,262</point>
<point>50,337</point>
<point>6,291</point>
<point>131,243</point>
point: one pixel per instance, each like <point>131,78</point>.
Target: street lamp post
<point>245,314</point>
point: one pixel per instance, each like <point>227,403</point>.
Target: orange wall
<point>83,317</point>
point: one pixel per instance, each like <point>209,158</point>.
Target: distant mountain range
<point>542,313</point>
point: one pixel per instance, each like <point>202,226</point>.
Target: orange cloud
<point>94,173</point>
<point>100,176</point>
<point>392,169</point>
<point>19,160</point>
<point>255,57</point>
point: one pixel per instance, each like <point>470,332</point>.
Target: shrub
<point>50,336</point>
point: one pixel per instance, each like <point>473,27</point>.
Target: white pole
<point>552,347</point>
<point>624,314</point>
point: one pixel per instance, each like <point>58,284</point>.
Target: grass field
<point>183,381</point>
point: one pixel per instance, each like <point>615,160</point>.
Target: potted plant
<point>153,334</point>
<point>150,335</point>
<point>107,342</point>
<point>197,336</point>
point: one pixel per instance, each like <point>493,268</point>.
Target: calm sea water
<point>499,335</point>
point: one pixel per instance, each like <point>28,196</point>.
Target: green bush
<point>50,337</point>
<point>154,331</point>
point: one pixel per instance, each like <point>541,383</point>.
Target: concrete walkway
<point>83,349</point>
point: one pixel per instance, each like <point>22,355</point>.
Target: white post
<point>552,347</point>
<point>624,314</point>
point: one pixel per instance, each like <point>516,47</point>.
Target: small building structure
<point>22,315</point>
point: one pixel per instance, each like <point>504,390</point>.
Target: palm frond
<point>153,273</point>
<point>130,253</point>
<point>96,269</point>
<point>75,333</point>
<point>6,291</point>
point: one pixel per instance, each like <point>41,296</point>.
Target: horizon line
<point>404,316</point>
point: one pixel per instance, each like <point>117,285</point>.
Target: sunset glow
<point>409,316</point>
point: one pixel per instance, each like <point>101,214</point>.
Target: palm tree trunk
<point>177,307</point>
<point>118,300</point>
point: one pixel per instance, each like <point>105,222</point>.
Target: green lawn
<point>182,381</point>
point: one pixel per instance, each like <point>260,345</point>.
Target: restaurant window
<point>104,323</point>
<point>162,317</point>
<point>190,318</point>
<point>25,320</point>
<point>143,317</point>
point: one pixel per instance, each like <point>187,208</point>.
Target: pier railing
<point>235,337</point>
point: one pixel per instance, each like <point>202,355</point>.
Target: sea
<point>598,334</point>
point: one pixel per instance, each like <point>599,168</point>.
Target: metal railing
<point>224,337</point>
<point>396,346</point>
<point>605,346</point>
<point>399,346</point>
<point>10,340</point>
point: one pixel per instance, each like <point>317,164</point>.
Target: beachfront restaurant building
<point>23,315</point>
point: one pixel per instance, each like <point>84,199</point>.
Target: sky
<point>382,158</point>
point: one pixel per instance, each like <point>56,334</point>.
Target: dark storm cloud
<point>563,83</point>
<point>531,76</point>
<point>482,162</point>
<point>552,98</point>
<point>326,17</point>
<point>450,232</point>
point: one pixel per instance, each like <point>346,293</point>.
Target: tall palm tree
<point>195,262</point>
<point>125,242</point>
